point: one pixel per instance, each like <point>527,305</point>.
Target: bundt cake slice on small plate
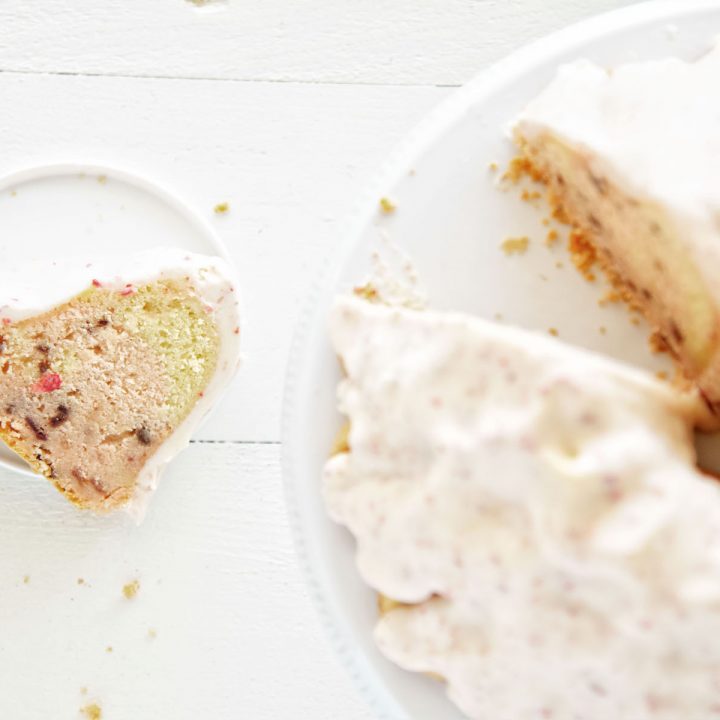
<point>106,368</point>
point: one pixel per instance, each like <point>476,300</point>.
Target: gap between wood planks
<point>278,81</point>
<point>236,442</point>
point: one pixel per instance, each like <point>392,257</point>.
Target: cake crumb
<point>152,633</point>
<point>108,649</point>
<point>635,320</point>
<point>546,221</point>
<point>92,712</point>
<point>493,167</point>
<point>582,253</point>
<point>559,264</point>
<point>552,237</point>
<point>661,375</point>
<point>130,590</point>
<point>80,581</point>
<point>102,179</point>
<point>26,580</point>
<point>530,195</point>
<point>387,205</point>
<point>515,246</point>
<point>367,292</point>
<point>553,331</point>
<point>83,691</point>
<point>498,316</point>
<point>602,330</point>
<point>657,343</point>
<point>222,208</point>
<point>520,167</point>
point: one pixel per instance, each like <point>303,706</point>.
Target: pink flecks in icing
<point>129,289</point>
<point>533,530</point>
<point>96,283</point>
<point>49,382</point>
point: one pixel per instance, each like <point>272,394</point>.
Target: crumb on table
<point>515,245</point>
<point>222,208</point>
<point>387,205</point>
<point>26,580</point>
<point>80,581</point>
<point>152,633</point>
<point>553,331</point>
<point>92,712</point>
<point>130,590</point>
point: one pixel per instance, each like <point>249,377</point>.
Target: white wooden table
<point>284,109</point>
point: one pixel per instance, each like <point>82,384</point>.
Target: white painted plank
<point>373,41</point>
<point>290,159</point>
<point>236,635</point>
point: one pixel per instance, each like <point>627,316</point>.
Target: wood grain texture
<point>290,159</point>
<point>235,633</point>
<point>425,42</point>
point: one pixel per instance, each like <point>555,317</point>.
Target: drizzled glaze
<point>539,508</point>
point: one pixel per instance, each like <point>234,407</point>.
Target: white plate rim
<point>414,144</point>
<point>28,173</point>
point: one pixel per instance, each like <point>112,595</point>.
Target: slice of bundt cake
<point>100,390</point>
<point>531,515</point>
<point>630,157</point>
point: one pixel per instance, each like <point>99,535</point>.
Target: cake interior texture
<point>91,389</point>
<point>641,250</point>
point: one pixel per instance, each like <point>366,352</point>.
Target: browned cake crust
<point>636,247</point>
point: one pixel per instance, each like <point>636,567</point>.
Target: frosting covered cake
<point>631,157</point>
<point>107,367</point>
<point>535,515</point>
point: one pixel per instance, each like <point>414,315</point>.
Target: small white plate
<point>87,210</point>
<point>451,220</point>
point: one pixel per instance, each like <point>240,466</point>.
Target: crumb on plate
<point>515,245</point>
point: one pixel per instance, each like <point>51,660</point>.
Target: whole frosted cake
<point>107,367</point>
<point>632,158</point>
<point>534,514</point>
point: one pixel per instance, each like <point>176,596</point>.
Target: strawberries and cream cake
<point>533,512</point>
<point>107,367</point>
<point>631,157</point>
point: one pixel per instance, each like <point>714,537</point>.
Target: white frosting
<point>25,293</point>
<point>540,507</point>
<point>654,129</point>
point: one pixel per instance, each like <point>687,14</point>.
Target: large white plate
<point>451,219</point>
<point>87,210</point>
